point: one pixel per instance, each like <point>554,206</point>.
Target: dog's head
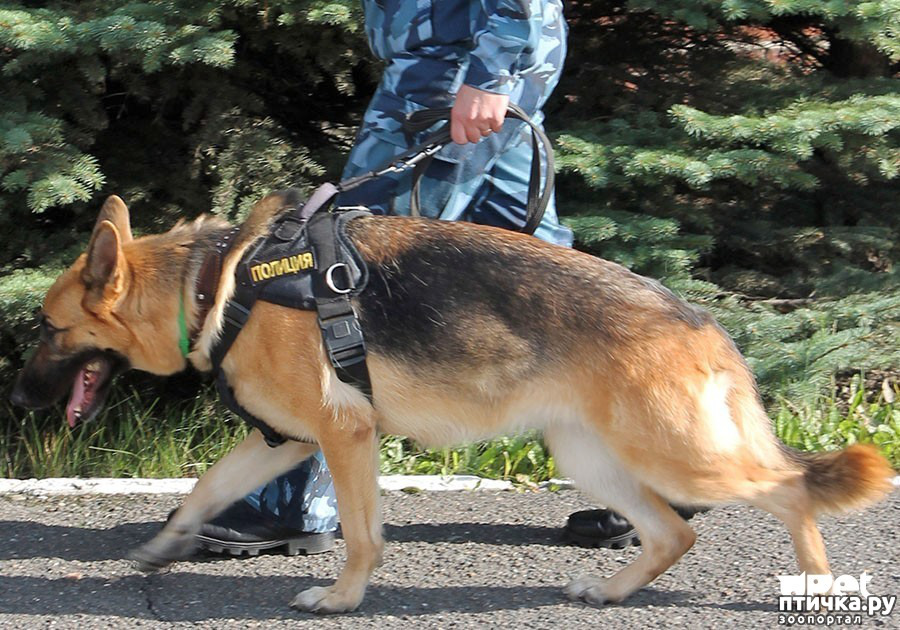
<point>100,317</point>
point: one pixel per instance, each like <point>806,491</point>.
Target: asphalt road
<point>453,560</point>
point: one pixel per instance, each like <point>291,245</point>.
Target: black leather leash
<point>420,157</point>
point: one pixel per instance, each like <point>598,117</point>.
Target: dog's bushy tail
<point>835,481</point>
<point>840,481</point>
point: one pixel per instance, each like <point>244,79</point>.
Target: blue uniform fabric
<point>507,47</point>
<point>431,48</point>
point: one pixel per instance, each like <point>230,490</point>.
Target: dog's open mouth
<point>89,389</point>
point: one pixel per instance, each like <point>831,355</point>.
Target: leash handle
<point>537,200</point>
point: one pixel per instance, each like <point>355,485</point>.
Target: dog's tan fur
<point>658,406</point>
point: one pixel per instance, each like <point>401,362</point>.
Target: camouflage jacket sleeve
<point>510,27</point>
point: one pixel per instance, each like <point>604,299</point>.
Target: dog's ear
<point>104,270</point>
<point>115,211</point>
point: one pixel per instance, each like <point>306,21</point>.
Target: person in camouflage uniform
<point>474,56</point>
<point>510,48</point>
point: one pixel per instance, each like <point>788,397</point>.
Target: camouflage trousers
<point>485,183</point>
<point>303,497</point>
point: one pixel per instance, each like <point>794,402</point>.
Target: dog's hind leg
<point>665,537</point>
<point>249,465</point>
<point>789,501</point>
<point>351,449</point>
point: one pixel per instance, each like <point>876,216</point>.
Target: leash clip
<point>404,164</point>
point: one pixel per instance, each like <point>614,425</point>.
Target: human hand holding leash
<point>420,156</point>
<point>476,114</point>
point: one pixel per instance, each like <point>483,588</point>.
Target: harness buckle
<point>288,228</point>
<point>343,340</point>
<point>235,314</point>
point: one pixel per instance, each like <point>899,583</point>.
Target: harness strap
<point>207,283</point>
<point>341,331</point>
<point>236,314</point>
<point>320,197</point>
<point>273,438</point>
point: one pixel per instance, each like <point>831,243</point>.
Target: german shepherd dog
<point>472,332</point>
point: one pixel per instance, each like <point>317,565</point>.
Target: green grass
<point>521,458</point>
<point>132,438</point>
<point>830,423</point>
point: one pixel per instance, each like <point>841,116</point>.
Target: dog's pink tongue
<point>76,400</point>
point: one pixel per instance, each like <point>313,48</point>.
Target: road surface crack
<point>146,585</point>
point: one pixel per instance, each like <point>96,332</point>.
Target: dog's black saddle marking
<point>307,262</point>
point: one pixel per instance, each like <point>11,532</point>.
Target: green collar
<point>184,343</point>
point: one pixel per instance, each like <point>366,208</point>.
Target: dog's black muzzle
<point>44,381</point>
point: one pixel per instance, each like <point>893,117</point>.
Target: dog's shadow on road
<point>185,595</point>
<point>21,540</point>
<point>194,598</point>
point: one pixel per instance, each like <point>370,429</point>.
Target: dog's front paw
<point>326,599</point>
<point>591,590</point>
<point>162,551</point>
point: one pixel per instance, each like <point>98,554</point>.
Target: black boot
<point>605,528</point>
<point>240,529</point>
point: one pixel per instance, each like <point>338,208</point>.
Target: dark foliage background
<point>744,151</point>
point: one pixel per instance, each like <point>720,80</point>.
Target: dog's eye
<point>46,330</point>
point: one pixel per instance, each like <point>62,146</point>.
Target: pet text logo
<point>828,600</point>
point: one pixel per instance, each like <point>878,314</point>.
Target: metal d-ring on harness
<point>332,280</point>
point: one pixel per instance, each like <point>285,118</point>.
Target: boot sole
<point>613,542</point>
<point>308,545</point>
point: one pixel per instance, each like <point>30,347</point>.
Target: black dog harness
<point>307,262</point>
